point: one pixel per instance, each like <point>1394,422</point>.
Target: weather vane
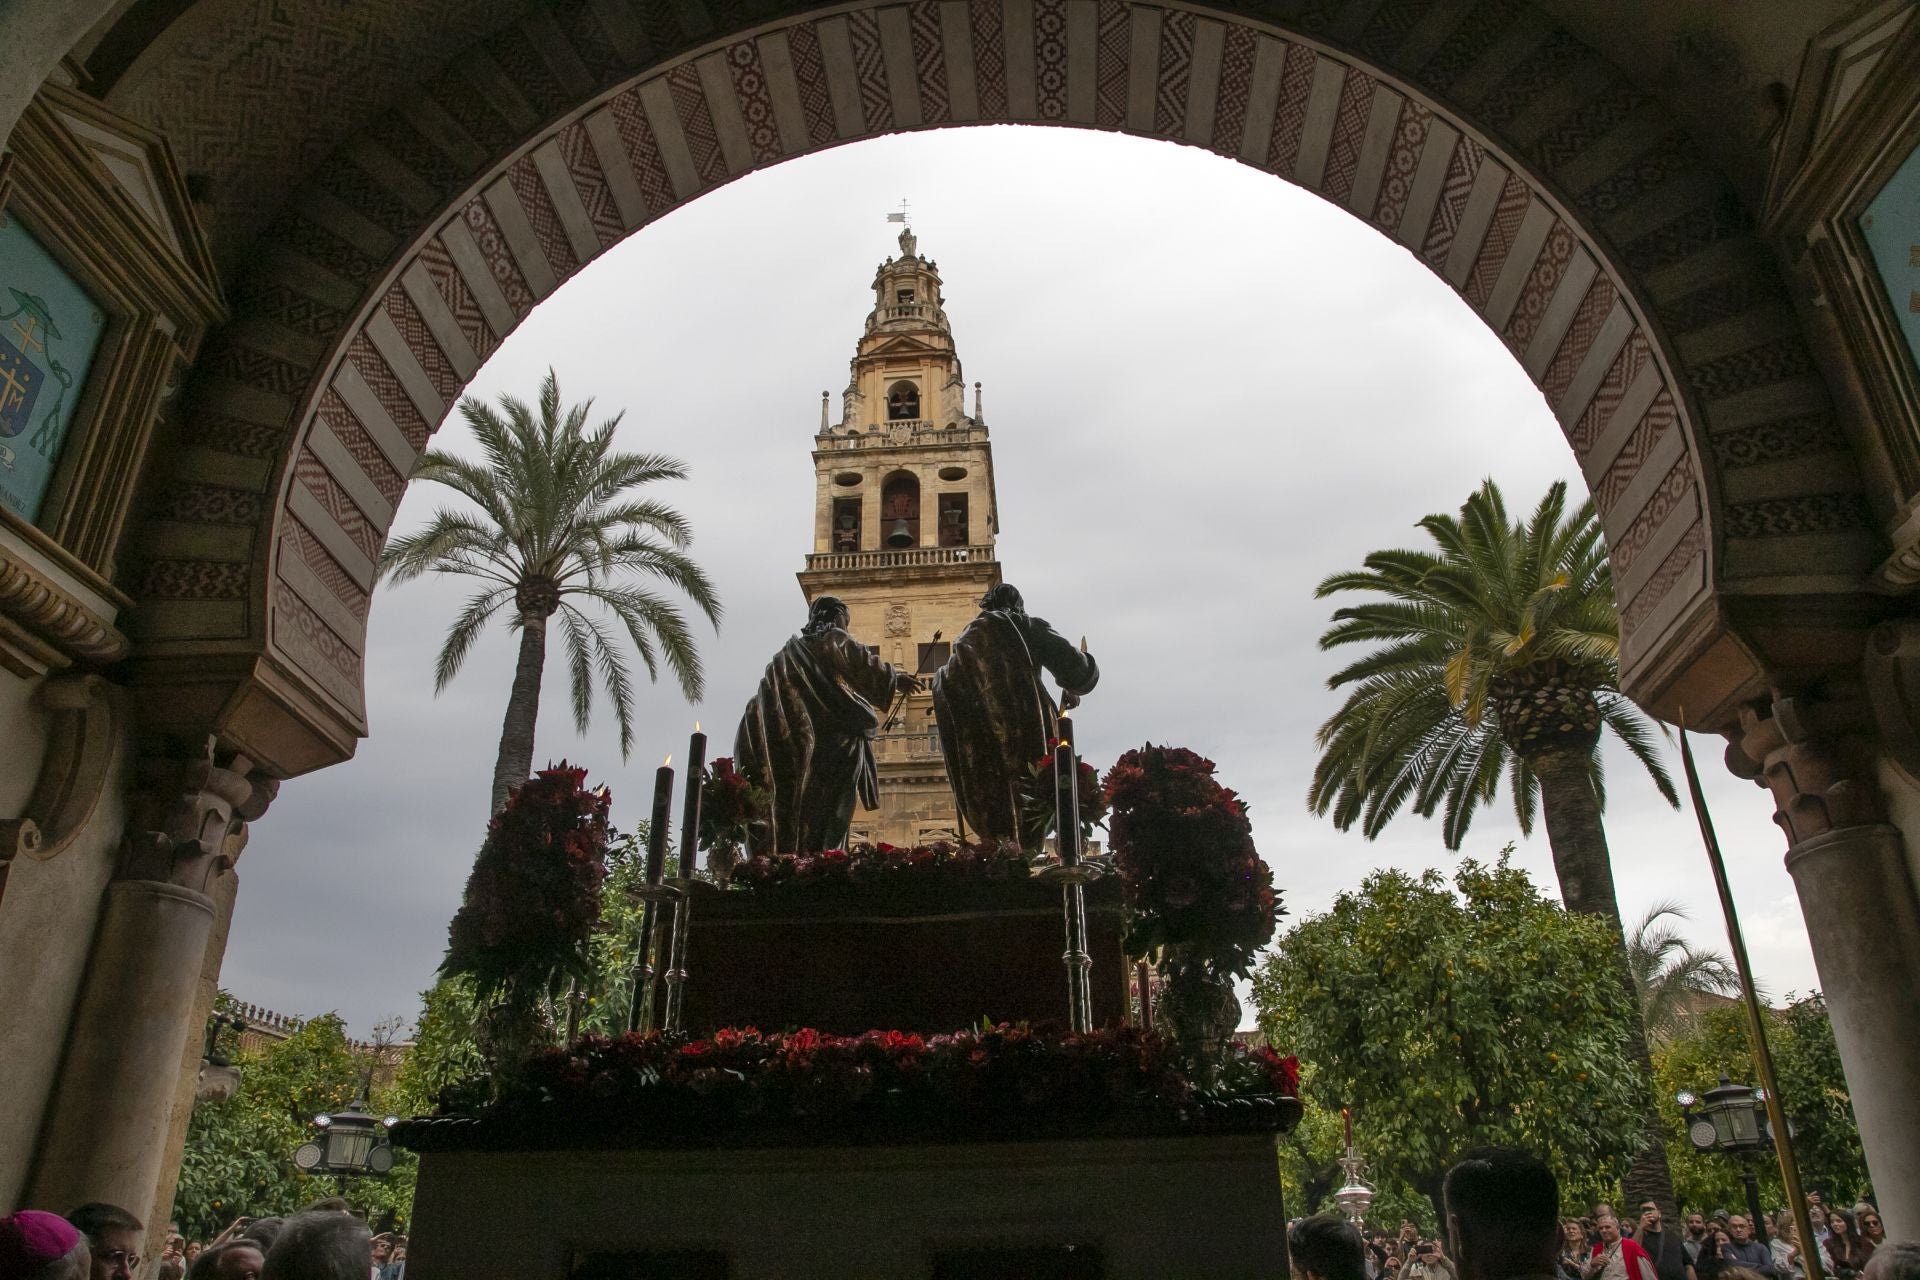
<point>900,215</point>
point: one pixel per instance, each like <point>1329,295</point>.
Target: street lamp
<point>350,1144</point>
<point>1731,1119</point>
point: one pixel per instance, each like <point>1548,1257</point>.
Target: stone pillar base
<point>1860,908</point>
<point>105,1135</point>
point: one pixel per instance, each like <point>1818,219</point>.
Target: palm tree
<point>557,528</point>
<point>1671,974</point>
<point>1497,656</point>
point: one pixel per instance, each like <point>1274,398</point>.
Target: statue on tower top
<point>908,244</point>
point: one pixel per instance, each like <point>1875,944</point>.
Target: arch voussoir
<point>1563,205</point>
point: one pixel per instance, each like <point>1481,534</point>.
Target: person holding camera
<point>1428,1263</point>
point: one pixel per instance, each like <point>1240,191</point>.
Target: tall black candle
<point>1065,730</point>
<point>1066,794</point>
<point>690,808</point>
<point>657,829</point>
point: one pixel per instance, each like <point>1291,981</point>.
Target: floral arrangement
<point>863,863</point>
<point>662,1085</point>
<point>730,806</point>
<point>1184,848</point>
<point>1040,802</point>
<point>531,904</point>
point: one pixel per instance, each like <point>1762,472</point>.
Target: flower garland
<point>739,1079</point>
<point>1185,852</point>
<point>533,899</point>
<point>1040,801</point>
<point>863,863</point>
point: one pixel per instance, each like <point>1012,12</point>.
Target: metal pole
<point>640,1006</point>
<point>677,956</point>
<point>1079,962</point>
<point>1756,1026</point>
<point>1753,1197</point>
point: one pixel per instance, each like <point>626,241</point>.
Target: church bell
<point>901,536</point>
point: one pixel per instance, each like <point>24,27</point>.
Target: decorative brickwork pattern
<point>421,342</point>
<point>1230,106</point>
<point>1176,70</point>
<point>643,152</point>
<point>493,247</point>
<point>1626,366</point>
<point>870,66</point>
<point>1660,585</point>
<point>1507,216</point>
<point>987,29</point>
<point>1050,57</point>
<point>1110,64</point>
<point>1540,285</point>
<point>1290,113</point>
<point>354,439</point>
<point>372,368</point>
<point>583,166</point>
<point>1409,143</point>
<point>1679,482</point>
<point>1349,127</point>
<point>1454,190</point>
<point>1593,312</point>
<point>930,62</point>
<point>352,521</point>
<point>454,291</point>
<point>696,122</point>
<point>1613,482</point>
<point>1779,440</point>
<point>326,568</point>
<point>1810,513</point>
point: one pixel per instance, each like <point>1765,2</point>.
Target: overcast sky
<point>1207,390</point>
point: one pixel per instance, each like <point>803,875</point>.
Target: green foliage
<point>1813,1093</point>
<point>1670,973</point>
<point>558,527</point>
<point>239,1153</point>
<point>445,1057</point>
<point>1447,1020</point>
<point>1496,600</point>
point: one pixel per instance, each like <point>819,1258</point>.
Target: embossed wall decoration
<point>1650,322</point>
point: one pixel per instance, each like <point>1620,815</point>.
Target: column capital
<point>1815,751</point>
<point>189,816</point>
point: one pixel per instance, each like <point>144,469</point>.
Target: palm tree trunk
<point>1580,860</point>
<point>514,763</point>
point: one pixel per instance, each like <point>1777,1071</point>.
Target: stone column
<point>1850,868</point>
<point>106,1132</point>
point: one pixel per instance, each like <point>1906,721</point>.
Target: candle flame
<point>696,726</point>
<point>1066,713</point>
<point>668,762</point>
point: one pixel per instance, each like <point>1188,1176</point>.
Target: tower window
<point>903,402</point>
<point>900,511</point>
<point>903,296</point>
<point>953,520</point>
<point>846,524</point>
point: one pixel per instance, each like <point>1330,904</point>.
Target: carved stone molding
<point>73,775</point>
<point>43,626</point>
<point>190,816</point>
<point>1815,753</point>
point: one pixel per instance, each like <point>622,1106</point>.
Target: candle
<point>1065,731</point>
<point>1067,804</point>
<point>657,829</point>
<point>690,809</point>
<point>1346,1118</point>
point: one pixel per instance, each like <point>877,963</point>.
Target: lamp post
<point>350,1144</point>
<point>1731,1119</point>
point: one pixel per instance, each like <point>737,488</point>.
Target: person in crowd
<point>1428,1263</point>
<point>1894,1262</point>
<point>1502,1210</point>
<point>1403,1243</point>
<point>235,1259</point>
<point>397,1267</point>
<point>1696,1237</point>
<point>382,1254</point>
<point>174,1249</point>
<point>115,1238</point>
<point>169,1269</point>
<point>1742,1250</point>
<point>321,1245</point>
<point>1615,1257</point>
<point>1664,1247</point>
<point>1785,1244</point>
<point>1326,1247</point>
<point>1846,1252</point>
<point>263,1232</point>
<point>1574,1248</point>
<point>1817,1219</point>
<point>1872,1233</point>
<point>192,1251</point>
<point>42,1246</point>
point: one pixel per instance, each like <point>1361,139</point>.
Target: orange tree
<point>1451,1016</point>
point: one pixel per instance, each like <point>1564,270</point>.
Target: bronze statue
<point>995,716</point>
<point>807,736</point>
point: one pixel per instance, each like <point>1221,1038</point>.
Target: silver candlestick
<point>677,955</point>
<point>640,1008</point>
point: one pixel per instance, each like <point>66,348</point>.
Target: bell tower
<point>904,524</point>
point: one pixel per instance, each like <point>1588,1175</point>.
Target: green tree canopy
<point>558,527</point>
<point>1813,1093</point>
<point>1448,1019</point>
<point>239,1153</point>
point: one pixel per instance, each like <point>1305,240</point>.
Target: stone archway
<point>1577,219</point>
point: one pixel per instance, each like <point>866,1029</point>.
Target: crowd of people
<point>103,1242</point>
<point>1503,1222</point>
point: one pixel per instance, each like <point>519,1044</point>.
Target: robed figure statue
<point>807,736</point>
<point>994,712</point>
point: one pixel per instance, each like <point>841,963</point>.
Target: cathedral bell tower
<point>904,525</point>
